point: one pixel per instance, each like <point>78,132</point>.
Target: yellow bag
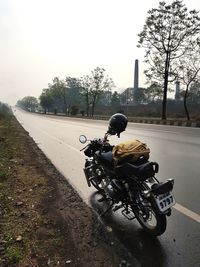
<point>133,149</point>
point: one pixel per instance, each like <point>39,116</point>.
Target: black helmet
<point>117,124</point>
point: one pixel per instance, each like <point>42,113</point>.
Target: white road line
<point>61,141</point>
<point>187,212</point>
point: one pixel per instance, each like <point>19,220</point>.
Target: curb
<point>170,122</point>
<point>150,121</point>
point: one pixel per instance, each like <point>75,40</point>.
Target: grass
<point>13,254</point>
<point>3,175</point>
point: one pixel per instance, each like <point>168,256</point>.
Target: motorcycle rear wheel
<point>153,223</point>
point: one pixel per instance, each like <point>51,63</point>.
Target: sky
<point>43,39</point>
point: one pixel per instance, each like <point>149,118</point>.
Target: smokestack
<point>136,75</point>
<point>177,93</point>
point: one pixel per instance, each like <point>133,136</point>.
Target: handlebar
<point>84,148</point>
<point>96,144</point>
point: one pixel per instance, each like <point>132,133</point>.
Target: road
<point>176,149</point>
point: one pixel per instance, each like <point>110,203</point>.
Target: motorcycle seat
<point>142,171</point>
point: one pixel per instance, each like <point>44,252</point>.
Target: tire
<point>153,223</point>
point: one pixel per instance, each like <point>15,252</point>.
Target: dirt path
<point>43,221</point>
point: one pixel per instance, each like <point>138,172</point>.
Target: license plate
<point>165,201</point>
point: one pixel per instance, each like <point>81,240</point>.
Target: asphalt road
<point>176,149</point>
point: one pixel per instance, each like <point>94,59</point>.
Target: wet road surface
<point>176,149</point>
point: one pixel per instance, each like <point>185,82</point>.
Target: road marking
<point>187,212</point>
<point>60,141</point>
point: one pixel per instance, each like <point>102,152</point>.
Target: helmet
<point>117,124</point>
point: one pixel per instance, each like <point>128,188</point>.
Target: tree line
<point>170,37</point>
<point>73,95</point>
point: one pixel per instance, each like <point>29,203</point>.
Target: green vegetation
<point>13,254</point>
<point>5,111</point>
<point>3,175</point>
<point>29,103</point>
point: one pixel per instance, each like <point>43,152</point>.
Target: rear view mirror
<point>83,139</point>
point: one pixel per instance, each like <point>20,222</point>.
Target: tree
<point>139,95</point>
<point>153,92</point>
<point>92,87</point>
<point>168,32</point>
<point>61,95</point>
<point>59,92</point>
<point>29,103</point>
<point>195,92</point>
<point>46,100</point>
<point>105,98</point>
<point>73,93</point>
<point>115,99</point>
<point>126,96</point>
<point>189,69</point>
<point>85,87</point>
<point>100,83</point>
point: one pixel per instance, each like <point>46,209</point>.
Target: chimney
<point>136,75</point>
<point>177,93</point>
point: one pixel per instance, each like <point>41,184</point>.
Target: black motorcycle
<point>128,185</point>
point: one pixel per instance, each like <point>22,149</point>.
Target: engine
<point>94,171</point>
<point>115,189</point>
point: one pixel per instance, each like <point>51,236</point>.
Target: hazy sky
<point>41,39</point>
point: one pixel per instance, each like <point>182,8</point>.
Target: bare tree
<point>92,87</point>
<point>189,70</point>
<point>85,88</point>
<point>166,36</point>
<point>100,83</point>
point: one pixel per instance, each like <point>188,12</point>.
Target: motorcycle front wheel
<point>153,223</point>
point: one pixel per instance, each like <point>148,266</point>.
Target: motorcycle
<point>129,186</point>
